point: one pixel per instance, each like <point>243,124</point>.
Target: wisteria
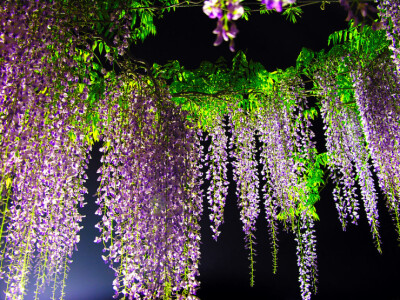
<point>226,12</point>
<point>43,152</point>
<point>348,157</point>
<point>339,145</point>
<point>217,173</point>
<point>376,94</point>
<point>68,79</point>
<point>149,197</point>
<point>276,4</point>
<point>306,256</point>
<point>246,178</point>
<point>390,13</point>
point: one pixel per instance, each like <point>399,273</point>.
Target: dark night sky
<point>349,265</point>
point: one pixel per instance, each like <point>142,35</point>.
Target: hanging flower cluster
<point>377,96</point>
<point>217,160</point>
<point>294,182</point>
<point>276,4</point>
<point>43,150</point>
<point>287,154</point>
<point>306,256</point>
<point>390,13</point>
<point>149,195</point>
<point>246,177</point>
<point>226,12</point>
<point>348,156</point>
<point>150,199</point>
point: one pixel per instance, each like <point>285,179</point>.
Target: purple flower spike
<point>273,4</point>
<point>277,4</point>
<point>221,33</point>
<point>212,8</point>
<point>233,31</point>
<point>235,10</point>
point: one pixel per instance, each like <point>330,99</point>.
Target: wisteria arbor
<point>69,79</point>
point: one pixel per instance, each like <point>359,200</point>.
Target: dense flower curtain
<point>56,100</point>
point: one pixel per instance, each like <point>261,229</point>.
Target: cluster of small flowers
<point>228,11</point>
<point>276,171</point>
<point>339,146</point>
<point>40,161</point>
<point>149,195</point>
<point>306,256</point>
<point>245,174</point>
<point>360,157</point>
<point>390,13</point>
<point>346,146</point>
<point>217,173</point>
<point>287,145</point>
<point>276,4</point>
<point>377,95</point>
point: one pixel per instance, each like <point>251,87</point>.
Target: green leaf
<point>292,13</point>
<point>101,47</point>
<point>107,48</point>
<point>94,45</point>
<point>8,182</point>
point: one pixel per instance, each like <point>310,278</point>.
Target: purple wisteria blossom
<point>234,10</point>
<point>287,144</point>
<point>339,145</point>
<point>276,4</point>
<point>306,256</point>
<point>246,177</point>
<point>348,151</point>
<point>376,95</point>
<point>212,8</point>
<point>225,35</point>
<point>149,196</point>
<point>226,12</point>
<point>217,173</point>
<point>390,13</point>
<point>43,152</point>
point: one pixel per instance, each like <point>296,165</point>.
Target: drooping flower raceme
<point>276,4</point>
<point>347,150</point>
<point>287,154</point>
<point>339,146</point>
<point>306,256</point>
<point>42,147</point>
<point>226,12</point>
<point>149,196</point>
<point>217,173</point>
<point>390,13</point>
<point>246,177</point>
<point>376,95</point>
<point>43,151</point>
